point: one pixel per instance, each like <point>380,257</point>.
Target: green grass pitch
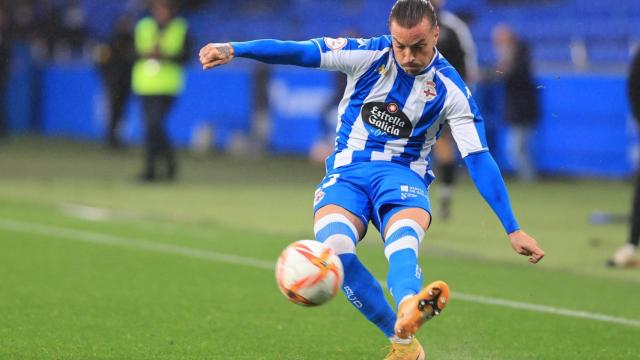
<point>96,266</point>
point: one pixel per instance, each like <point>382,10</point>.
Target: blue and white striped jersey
<point>389,115</point>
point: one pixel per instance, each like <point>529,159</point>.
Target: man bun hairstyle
<point>409,13</point>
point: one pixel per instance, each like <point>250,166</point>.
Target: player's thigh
<point>341,192</point>
<point>335,209</point>
<point>399,191</point>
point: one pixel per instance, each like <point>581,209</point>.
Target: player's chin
<point>412,70</point>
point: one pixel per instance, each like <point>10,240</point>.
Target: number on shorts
<point>332,180</point>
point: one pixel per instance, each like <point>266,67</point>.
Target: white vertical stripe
<point>346,98</point>
<point>420,165</point>
<point>379,155</point>
<point>416,101</point>
<point>461,119</point>
<point>343,158</point>
<point>406,223</point>
<point>407,242</point>
<point>379,92</point>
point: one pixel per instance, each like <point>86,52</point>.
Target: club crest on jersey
<point>319,195</point>
<point>386,119</point>
<point>429,90</point>
<point>335,44</point>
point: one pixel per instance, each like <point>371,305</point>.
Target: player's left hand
<point>525,245</point>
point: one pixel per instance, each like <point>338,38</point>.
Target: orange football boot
<point>414,311</point>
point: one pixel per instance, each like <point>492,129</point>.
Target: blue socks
<point>360,287</point>
<point>401,249</point>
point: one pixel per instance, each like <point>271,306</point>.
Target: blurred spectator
<point>5,61</point>
<point>161,45</point>
<point>521,97</point>
<point>24,28</point>
<point>116,60</point>
<point>261,126</point>
<point>72,31</point>
<point>624,255</point>
<point>457,46</point>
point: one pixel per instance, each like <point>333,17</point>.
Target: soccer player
<point>625,256</point>
<point>399,94</point>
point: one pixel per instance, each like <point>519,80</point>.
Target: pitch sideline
<point>104,239</point>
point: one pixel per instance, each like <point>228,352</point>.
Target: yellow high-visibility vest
<point>159,76</point>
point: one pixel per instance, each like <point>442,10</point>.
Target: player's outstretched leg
<point>360,287</point>
<point>415,306</point>
<point>415,310</point>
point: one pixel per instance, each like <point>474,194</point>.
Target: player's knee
<point>404,234</point>
<point>337,232</point>
<point>417,217</point>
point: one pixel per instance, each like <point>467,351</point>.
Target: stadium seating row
<point>608,30</point>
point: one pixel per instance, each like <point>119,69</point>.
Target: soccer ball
<point>309,273</point>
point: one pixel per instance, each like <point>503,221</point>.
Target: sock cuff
<point>340,244</point>
<point>335,218</point>
<point>405,223</point>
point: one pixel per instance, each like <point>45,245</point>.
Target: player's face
<point>414,48</point>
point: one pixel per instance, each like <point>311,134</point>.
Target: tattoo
<point>224,50</point>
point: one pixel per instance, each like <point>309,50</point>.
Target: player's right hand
<point>212,55</point>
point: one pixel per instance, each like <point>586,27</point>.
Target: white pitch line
<point>545,309</point>
<point>103,239</point>
<point>97,238</point>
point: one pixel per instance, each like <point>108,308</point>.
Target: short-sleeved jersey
<point>389,115</point>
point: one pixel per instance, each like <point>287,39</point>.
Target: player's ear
<point>436,33</point>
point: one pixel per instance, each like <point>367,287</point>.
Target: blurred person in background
<point>116,59</point>
<point>72,40</point>
<point>5,62</point>
<point>161,42</point>
<point>624,256</point>
<point>521,98</point>
<point>457,45</point>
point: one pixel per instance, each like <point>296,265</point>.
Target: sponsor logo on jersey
<point>430,90</point>
<point>386,119</point>
<point>335,44</point>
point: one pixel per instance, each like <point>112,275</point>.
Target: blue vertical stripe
<point>362,89</point>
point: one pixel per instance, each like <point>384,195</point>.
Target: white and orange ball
<point>309,273</point>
